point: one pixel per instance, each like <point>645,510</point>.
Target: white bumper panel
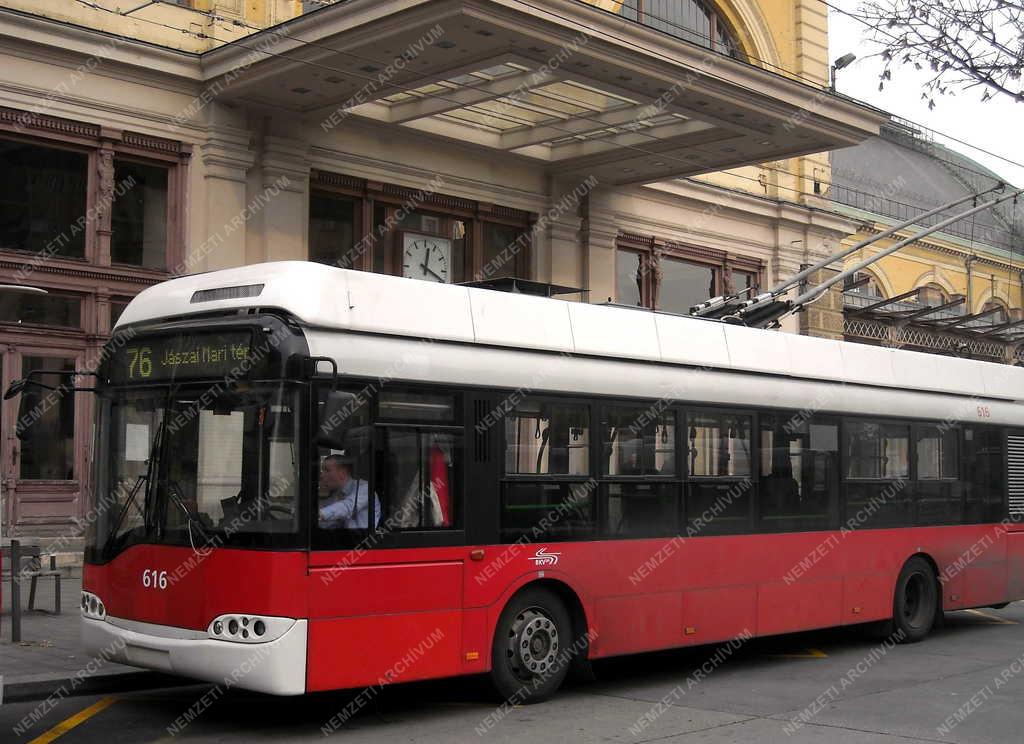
<point>277,667</point>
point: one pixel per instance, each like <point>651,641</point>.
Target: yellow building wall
<point>791,39</point>
<point>944,263</point>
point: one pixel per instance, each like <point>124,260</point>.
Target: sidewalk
<point>49,661</point>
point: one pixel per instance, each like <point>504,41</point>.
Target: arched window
<point>1001,315</point>
<point>864,283</point>
<point>932,295</point>
<point>691,20</point>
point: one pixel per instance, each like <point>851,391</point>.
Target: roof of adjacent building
<point>902,172</point>
<point>326,297</point>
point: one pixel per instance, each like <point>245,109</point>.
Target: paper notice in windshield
<point>136,442</point>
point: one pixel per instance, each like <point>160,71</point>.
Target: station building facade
<point>959,291</point>
<point>649,154</point>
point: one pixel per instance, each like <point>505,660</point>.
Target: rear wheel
<point>916,601</point>
<point>530,655</point>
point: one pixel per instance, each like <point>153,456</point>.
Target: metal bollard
<point>15,591</point>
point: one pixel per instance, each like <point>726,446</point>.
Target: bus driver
<point>346,505</point>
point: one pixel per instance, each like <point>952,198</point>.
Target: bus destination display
<point>183,357</point>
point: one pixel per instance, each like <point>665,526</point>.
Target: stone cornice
<point>88,43</point>
<point>13,262</point>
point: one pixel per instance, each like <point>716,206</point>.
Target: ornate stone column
<point>220,207</point>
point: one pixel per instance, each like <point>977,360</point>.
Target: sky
<point>996,125</point>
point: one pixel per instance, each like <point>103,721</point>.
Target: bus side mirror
<point>15,388</point>
<point>336,419</point>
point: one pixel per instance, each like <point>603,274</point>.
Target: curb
<point>32,689</point>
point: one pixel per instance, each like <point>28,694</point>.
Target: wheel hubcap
<point>532,643</point>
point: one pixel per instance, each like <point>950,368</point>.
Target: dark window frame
<point>169,248</point>
<point>652,248</point>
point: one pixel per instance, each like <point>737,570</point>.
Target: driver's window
<point>343,499</point>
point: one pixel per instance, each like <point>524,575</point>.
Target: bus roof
<point>332,298</point>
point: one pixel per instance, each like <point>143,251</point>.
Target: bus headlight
<point>93,607</point>
<point>249,628</point>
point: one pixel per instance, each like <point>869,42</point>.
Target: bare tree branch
<point>965,43</point>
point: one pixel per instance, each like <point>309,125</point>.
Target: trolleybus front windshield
<point>187,464</point>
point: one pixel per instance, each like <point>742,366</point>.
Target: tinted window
<point>718,445</point>
<point>534,511</point>
<point>402,405</point>
<point>418,477</point>
<point>877,450</point>
<point>346,502</point>
<point>547,439</point>
<point>880,504</point>
<point>937,453</point>
<point>638,441</point>
<point>640,509</point>
<point>799,486</point>
<point>984,474</point>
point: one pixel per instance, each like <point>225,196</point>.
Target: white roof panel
<point>916,369</point>
<point>408,307</point>
<point>821,358</point>
<point>756,350</point>
<point>871,365</point>
<point>613,331</point>
<point>519,320</point>
<point>690,341</point>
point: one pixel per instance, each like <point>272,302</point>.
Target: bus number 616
<point>153,579</point>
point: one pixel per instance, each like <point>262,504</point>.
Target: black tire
<point>916,601</point>
<point>530,654</point>
<point>1000,606</point>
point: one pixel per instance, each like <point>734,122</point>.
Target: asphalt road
<point>965,683</point>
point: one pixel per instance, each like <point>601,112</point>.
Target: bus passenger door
<point>483,578</point>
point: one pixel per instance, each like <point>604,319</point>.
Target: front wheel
<point>916,601</point>
<point>531,652</point>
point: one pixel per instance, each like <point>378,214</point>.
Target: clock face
<point>426,257</point>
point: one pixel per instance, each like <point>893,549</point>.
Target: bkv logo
<point>543,558</point>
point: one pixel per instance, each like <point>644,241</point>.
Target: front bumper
<point>277,667</point>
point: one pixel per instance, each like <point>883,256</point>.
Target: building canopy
<point>575,89</point>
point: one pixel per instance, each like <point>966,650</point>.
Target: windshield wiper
<point>190,517</point>
<point>143,477</point>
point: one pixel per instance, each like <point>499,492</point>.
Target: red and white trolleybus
<point>330,478</point>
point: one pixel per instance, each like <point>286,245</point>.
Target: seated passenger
<point>347,502</point>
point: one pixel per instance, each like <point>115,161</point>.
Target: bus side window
<point>418,461</point>
<point>984,475</point>
<point>799,472</point>
<point>343,502</point>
